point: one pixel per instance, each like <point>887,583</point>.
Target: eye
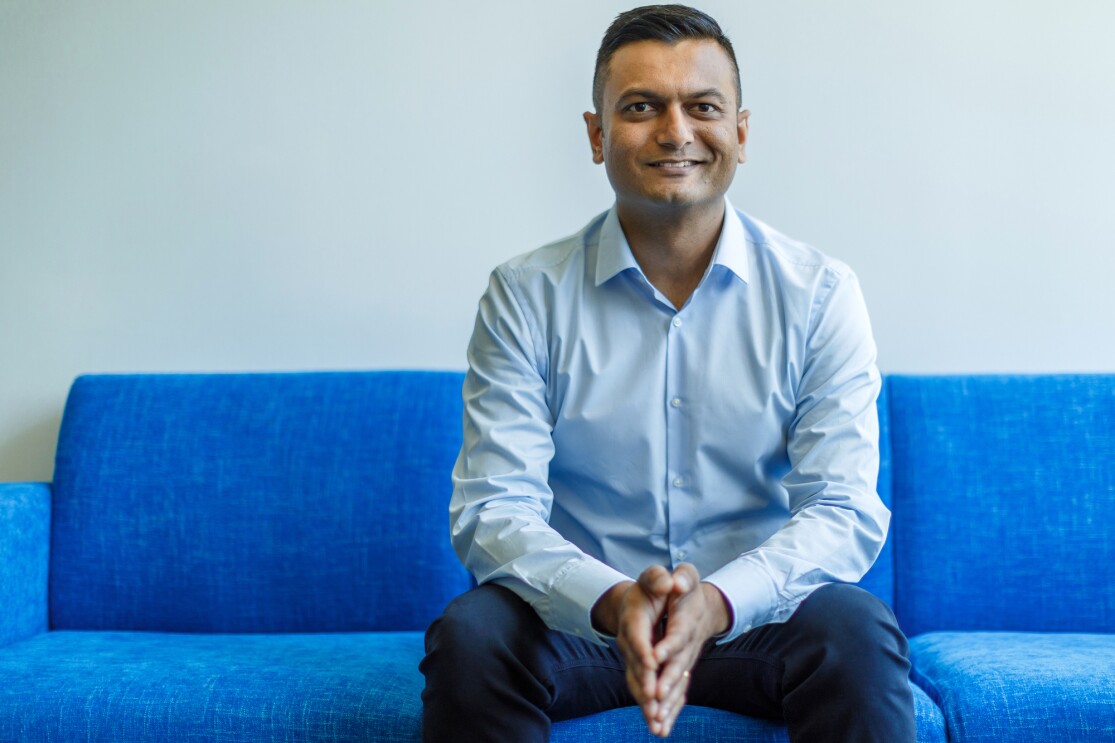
<point>641,107</point>
<point>705,108</point>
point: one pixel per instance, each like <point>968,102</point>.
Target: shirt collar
<point>614,255</point>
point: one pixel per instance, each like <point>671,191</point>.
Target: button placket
<point>676,421</point>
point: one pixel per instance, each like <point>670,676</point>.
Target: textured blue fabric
<point>1003,687</point>
<point>139,686</point>
<point>255,502</point>
<point>1004,493</point>
<point>24,559</point>
<point>704,725</point>
<point>880,578</point>
<point>116,686</point>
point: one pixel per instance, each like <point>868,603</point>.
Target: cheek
<point>620,153</point>
<point>619,142</point>
<point>723,140</point>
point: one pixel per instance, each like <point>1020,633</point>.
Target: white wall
<point>278,185</point>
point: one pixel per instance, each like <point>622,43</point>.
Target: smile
<point>674,163</point>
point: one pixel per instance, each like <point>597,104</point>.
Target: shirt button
<point>676,402</point>
<point>677,322</point>
<point>677,482</point>
<point>682,554</point>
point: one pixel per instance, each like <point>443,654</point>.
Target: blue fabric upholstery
<point>256,502</point>
<point>24,559</point>
<point>117,686</point>
<point>143,686</point>
<point>1002,687</point>
<point>1005,502</point>
<point>272,504</point>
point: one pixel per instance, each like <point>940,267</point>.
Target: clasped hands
<point>661,623</point>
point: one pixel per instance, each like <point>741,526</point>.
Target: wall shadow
<point>28,456</point>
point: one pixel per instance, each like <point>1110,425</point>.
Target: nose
<point>674,132</point>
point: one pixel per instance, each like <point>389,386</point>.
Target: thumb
<point>685,578</point>
<point>656,581</point>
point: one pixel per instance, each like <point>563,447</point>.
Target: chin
<point>684,199</point>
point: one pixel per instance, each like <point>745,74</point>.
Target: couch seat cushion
<point>132,686</point>
<point>1011,687</point>
<point>120,686</point>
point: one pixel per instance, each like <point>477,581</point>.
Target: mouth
<point>674,164</point>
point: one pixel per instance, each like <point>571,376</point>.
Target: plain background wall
<point>278,185</point>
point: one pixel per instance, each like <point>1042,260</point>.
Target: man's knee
<point>854,629</point>
<point>475,623</point>
<point>480,670</point>
<point>847,661</point>
<point>848,612</point>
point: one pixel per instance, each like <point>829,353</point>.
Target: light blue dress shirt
<point>606,431</point>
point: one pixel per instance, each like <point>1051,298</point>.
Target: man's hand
<point>696,612</point>
<point>633,612</point>
<point>658,664</point>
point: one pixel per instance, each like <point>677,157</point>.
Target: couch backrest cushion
<point>255,502</point>
<point>1004,502</point>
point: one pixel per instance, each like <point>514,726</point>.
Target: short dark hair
<point>669,23</point>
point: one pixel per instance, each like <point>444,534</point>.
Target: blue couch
<point>254,558</point>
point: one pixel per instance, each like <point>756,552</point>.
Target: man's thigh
<point>752,674</point>
<point>499,644</point>
<point>501,647</point>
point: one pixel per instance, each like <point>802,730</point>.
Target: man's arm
<point>838,523</point>
<point>501,501</point>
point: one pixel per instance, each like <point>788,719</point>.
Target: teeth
<point>682,164</point>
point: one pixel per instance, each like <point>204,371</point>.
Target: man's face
<point>668,131</point>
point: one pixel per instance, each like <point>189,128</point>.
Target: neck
<point>673,247</point>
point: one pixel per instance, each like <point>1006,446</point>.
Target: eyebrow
<point>654,96</point>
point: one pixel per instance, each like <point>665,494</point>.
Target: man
<point>670,447</point>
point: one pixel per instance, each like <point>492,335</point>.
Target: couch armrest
<point>24,559</point>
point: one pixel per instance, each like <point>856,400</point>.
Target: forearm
<point>505,538</point>
<point>819,545</point>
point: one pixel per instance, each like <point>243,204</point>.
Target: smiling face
<point>668,132</point>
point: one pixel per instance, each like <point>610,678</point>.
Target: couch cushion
<point>1002,687</point>
<point>124,686</point>
<point>255,502</point>
<point>112,686</point>
<point>1004,502</point>
<point>24,559</point>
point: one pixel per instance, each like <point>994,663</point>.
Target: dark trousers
<point>835,671</point>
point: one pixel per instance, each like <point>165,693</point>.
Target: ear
<point>741,131</point>
<point>595,136</point>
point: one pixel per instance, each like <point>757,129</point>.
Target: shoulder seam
<point>577,241</point>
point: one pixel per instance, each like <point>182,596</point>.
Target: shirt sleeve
<point>500,509</point>
<point>838,523</point>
